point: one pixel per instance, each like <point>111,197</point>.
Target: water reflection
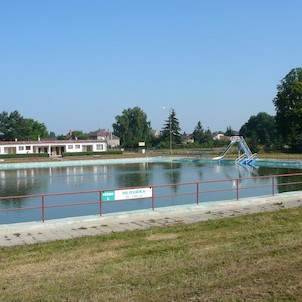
<point>22,182</point>
<point>286,184</point>
<point>283,184</point>
<point>172,174</point>
<point>134,175</point>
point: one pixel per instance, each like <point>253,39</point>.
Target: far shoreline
<point>264,159</point>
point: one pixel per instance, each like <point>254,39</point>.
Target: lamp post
<point>170,129</point>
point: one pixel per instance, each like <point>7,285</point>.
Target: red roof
<point>49,141</point>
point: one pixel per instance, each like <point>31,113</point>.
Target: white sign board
<point>133,193</point>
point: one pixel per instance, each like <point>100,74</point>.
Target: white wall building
<point>52,147</point>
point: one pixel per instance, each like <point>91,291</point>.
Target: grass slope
<point>249,258</point>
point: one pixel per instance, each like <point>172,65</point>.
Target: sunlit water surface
<point>112,176</point>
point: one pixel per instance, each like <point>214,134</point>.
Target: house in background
<point>105,135</point>
<point>220,137</point>
<point>187,139</point>
<point>155,133</point>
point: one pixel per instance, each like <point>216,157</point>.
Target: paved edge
<point>37,232</point>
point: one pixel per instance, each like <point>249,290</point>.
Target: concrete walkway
<point>62,229</point>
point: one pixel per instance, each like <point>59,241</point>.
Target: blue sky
<point>78,64</point>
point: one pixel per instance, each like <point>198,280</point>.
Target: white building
<point>52,147</point>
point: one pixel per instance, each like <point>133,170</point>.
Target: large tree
<point>36,130</point>
<point>199,134</point>
<point>171,129</point>
<point>288,105</point>
<point>14,126</point>
<point>260,128</point>
<point>132,127</point>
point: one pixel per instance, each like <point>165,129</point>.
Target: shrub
<point>26,155</point>
<point>110,152</point>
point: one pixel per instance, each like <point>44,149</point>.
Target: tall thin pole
<point>170,124</point>
<point>170,128</point>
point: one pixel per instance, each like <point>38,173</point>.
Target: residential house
<point>187,139</point>
<point>105,135</point>
<point>221,136</point>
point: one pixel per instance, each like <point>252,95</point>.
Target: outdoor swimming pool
<point>103,175</point>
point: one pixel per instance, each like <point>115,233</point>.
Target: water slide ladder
<point>247,158</point>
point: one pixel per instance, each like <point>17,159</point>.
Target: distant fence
<point>150,197</point>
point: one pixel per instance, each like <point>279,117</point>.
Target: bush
<point>27,155</point>
<point>110,152</point>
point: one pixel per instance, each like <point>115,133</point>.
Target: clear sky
<point>76,65</point>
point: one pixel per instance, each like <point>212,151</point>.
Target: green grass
<point>249,258</point>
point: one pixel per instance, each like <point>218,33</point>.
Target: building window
<point>77,146</point>
<point>99,147</point>
<point>27,148</point>
<point>70,146</point>
<point>21,148</point>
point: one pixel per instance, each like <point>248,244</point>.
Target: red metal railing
<point>196,189</point>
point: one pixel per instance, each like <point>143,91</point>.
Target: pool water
<point>21,182</point>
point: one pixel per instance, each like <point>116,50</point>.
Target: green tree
<point>35,129</point>
<point>132,127</point>
<point>199,134</point>
<point>78,134</point>
<point>73,135</point>
<point>230,131</point>
<point>52,135</point>
<point>288,105</point>
<point>171,129</point>
<point>14,126</point>
<point>260,128</point>
<point>253,143</point>
<point>9,125</point>
<point>209,141</point>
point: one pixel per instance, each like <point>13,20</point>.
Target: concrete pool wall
<point>62,163</point>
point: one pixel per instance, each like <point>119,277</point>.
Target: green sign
<point>108,196</point>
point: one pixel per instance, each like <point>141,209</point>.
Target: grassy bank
<point>248,258</point>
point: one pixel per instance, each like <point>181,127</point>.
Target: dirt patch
<point>162,237</point>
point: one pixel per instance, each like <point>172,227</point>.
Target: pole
<point>170,124</point>
<point>170,129</point>
<point>43,209</point>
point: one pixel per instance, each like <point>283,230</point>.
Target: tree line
<point>280,132</point>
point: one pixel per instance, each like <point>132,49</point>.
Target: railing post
<point>197,193</point>
<point>101,208</point>
<point>237,188</point>
<point>153,203</point>
<point>43,208</point>
<point>273,185</point>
